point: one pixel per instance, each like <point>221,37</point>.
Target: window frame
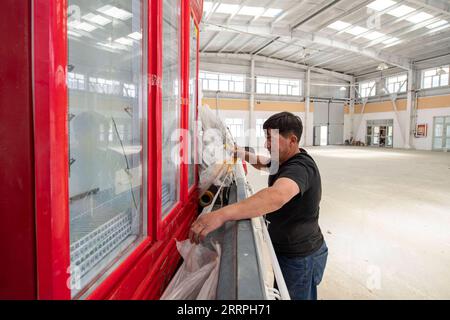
<point>273,84</point>
<point>401,84</point>
<point>433,76</point>
<point>192,188</point>
<point>370,87</point>
<point>207,76</point>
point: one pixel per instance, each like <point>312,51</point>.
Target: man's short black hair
<point>286,123</point>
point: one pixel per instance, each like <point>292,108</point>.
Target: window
<point>436,77</point>
<point>105,141</point>
<point>170,104</point>
<point>278,86</point>
<point>129,90</point>
<point>396,84</point>
<point>104,86</point>
<point>367,89</point>
<point>236,126</point>
<point>75,81</point>
<point>259,128</point>
<point>212,81</point>
<point>192,101</point>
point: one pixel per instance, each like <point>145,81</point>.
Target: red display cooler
<point>96,182</point>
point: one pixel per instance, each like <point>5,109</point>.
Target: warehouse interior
<point>370,80</point>
<point>127,128</point>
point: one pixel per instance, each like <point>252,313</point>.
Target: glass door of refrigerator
<point>192,101</point>
<point>107,116</point>
<point>171,105</point>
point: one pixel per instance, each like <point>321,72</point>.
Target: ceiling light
<point>207,6</point>
<point>374,35</point>
<point>81,26</point>
<point>391,40</point>
<point>343,88</point>
<point>436,24</point>
<point>420,17</point>
<point>272,12</point>
<point>380,5</point>
<point>115,12</point>
<point>251,11</point>
<point>356,31</point>
<point>125,41</point>
<point>227,8</point>
<point>382,66</point>
<point>339,25</point>
<point>135,35</point>
<point>96,18</point>
<point>401,11</point>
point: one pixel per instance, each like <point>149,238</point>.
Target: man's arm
<point>265,201</point>
<point>257,161</point>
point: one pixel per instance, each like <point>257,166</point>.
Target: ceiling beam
<point>214,37</point>
<point>248,57</point>
<point>311,37</point>
<point>314,14</point>
<point>343,15</point>
<point>439,6</point>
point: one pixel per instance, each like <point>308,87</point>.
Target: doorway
<point>380,133</point>
<point>321,135</point>
<point>441,133</point>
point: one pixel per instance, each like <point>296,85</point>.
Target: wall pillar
<point>251,115</point>
<point>410,100</point>
<point>352,108</point>
<point>308,127</point>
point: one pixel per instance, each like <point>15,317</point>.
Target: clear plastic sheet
<point>217,149</point>
<point>197,277</point>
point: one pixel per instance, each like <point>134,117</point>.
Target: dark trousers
<point>303,274</point>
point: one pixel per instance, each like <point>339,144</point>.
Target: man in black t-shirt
<point>291,203</point>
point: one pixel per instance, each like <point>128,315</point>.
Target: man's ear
<point>293,139</point>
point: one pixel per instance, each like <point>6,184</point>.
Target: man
<point>291,203</point>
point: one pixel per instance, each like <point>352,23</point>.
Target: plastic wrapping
<point>217,149</point>
<point>198,275</point>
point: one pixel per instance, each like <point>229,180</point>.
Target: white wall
<point>359,126</point>
<point>425,116</point>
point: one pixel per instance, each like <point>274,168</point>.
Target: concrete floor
<point>385,215</point>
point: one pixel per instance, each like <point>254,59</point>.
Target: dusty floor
<point>385,215</point>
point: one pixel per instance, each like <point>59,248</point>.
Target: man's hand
<point>239,152</point>
<point>205,224</point>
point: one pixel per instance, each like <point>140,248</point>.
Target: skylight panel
<point>339,25</point>
<point>380,5</point>
<point>124,41</point>
<point>115,12</point>
<point>401,11</point>
<point>374,35</point>
<point>357,30</point>
<point>97,19</point>
<point>391,40</point>
<point>135,35</point>
<point>227,8</point>
<point>251,11</point>
<point>420,17</point>
<point>272,12</point>
<point>82,26</point>
<point>207,6</point>
<point>437,24</point>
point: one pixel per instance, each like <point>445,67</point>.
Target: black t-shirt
<point>294,228</point>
